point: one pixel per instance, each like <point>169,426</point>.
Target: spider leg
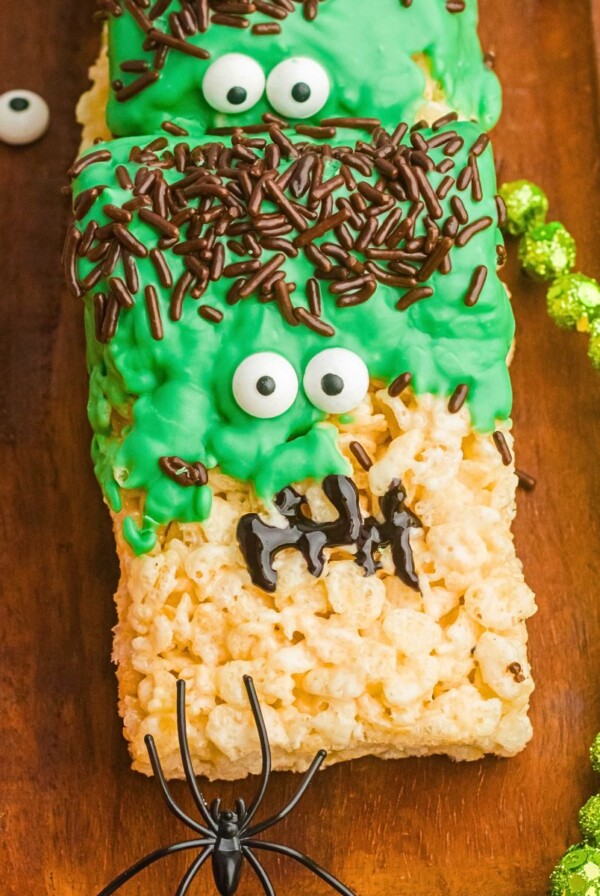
<point>152,857</point>
<point>264,746</point>
<point>259,871</point>
<point>305,783</point>
<point>333,882</point>
<point>186,758</point>
<point>192,871</point>
<point>159,775</point>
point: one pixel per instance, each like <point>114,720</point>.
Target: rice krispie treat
<point>297,344</point>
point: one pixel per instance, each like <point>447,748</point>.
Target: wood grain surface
<point>72,814</point>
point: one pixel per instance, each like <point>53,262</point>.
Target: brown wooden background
<point>72,814</point>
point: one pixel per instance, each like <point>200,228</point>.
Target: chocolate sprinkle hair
<point>350,230</point>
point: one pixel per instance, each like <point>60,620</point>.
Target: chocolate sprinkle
<point>526,481</point>
<point>351,230</point>
<point>400,384</point>
<point>414,295</point>
<point>471,229</point>
<point>476,285</point>
<point>153,309</point>
<point>503,449</point>
<point>361,455</point>
<point>211,314</point>
<point>516,670</point>
<point>313,322</point>
<point>184,473</point>
<point>458,398</point>
<point>266,28</point>
<point>175,129</point>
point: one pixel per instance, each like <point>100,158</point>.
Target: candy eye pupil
<point>301,92</point>
<point>265,385</point>
<point>332,384</point>
<point>19,104</point>
<point>237,96</point>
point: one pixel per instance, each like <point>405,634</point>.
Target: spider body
<point>227,858</point>
<point>226,836</point>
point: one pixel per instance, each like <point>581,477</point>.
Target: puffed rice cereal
<point>356,665</point>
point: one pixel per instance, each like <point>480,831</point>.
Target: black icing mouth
<point>260,542</point>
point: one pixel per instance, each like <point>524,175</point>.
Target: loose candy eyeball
<point>233,83</point>
<point>336,380</point>
<point>265,385</point>
<point>24,117</point>
<point>547,251</point>
<point>574,301</point>
<point>578,872</point>
<point>526,205</point>
<point>298,87</point>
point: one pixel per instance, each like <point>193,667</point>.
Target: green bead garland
<point>547,252</point>
<point>578,872</point>
<point>589,819</point>
<point>594,346</point>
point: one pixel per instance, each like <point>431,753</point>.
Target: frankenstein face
<point>241,296</point>
<point>352,60</point>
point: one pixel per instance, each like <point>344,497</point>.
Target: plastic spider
<point>228,837</point>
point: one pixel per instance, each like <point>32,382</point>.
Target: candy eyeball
<point>24,117</point>
<point>298,87</point>
<point>336,380</point>
<point>233,83</point>
<point>265,385</point>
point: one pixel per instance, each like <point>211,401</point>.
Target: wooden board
<point>72,814</point>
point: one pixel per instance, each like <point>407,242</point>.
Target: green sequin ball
<point>578,873</point>
<point>526,206</point>
<point>547,251</point>
<point>574,300</point>
<point>595,754</point>
<point>589,819</point>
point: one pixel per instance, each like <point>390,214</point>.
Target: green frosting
<point>367,48</point>
<point>175,396</point>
